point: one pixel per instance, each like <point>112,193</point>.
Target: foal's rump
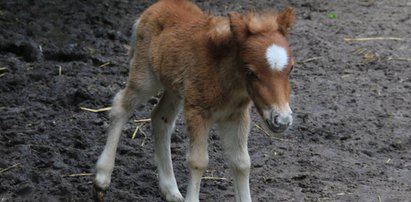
<point>165,42</point>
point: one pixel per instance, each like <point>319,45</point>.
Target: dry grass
<point>105,64</point>
<point>373,39</point>
<point>139,126</point>
<point>142,120</point>
<point>270,134</point>
<point>310,59</point>
<point>3,71</point>
<point>96,110</point>
<point>79,175</point>
<point>9,168</point>
<point>214,178</point>
<point>370,55</point>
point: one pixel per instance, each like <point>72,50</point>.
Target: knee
<point>117,108</point>
<point>241,165</point>
<point>198,161</point>
<point>123,105</point>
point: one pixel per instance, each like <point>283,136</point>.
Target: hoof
<point>99,194</point>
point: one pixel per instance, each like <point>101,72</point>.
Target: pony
<point>213,68</point>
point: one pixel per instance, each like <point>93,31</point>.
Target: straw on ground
<point>139,128</point>
<point>311,59</point>
<point>96,110</point>
<point>105,64</point>
<point>135,132</point>
<point>3,69</point>
<point>214,178</point>
<point>373,39</point>
<point>79,175</point>
<point>142,120</point>
<point>268,134</point>
<point>9,168</point>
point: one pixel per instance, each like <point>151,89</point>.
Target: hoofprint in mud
<point>212,68</point>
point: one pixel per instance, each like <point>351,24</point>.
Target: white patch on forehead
<point>277,57</point>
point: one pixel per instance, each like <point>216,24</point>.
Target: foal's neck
<point>230,72</point>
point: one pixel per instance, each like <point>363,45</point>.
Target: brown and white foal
<point>212,68</point>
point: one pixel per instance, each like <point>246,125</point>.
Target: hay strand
<point>214,178</point>
<point>96,110</point>
<point>60,69</point>
<point>105,64</point>
<point>373,39</point>
<point>3,69</point>
<point>138,128</point>
<point>388,160</point>
<point>360,51</point>
<point>268,134</point>
<point>145,137</point>
<point>79,175</point>
<point>262,129</point>
<point>9,168</point>
<point>142,120</point>
<point>399,59</point>
<point>311,59</point>
<point>135,132</point>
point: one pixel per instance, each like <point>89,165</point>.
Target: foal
<point>211,68</point>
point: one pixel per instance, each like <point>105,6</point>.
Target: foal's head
<point>266,62</point>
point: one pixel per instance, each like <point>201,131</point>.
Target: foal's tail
<point>133,40</point>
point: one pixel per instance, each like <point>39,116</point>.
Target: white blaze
<point>277,57</point>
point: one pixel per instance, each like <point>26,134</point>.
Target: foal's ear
<point>238,27</point>
<point>285,19</point>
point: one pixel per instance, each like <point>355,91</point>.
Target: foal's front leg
<point>234,137</point>
<point>197,128</point>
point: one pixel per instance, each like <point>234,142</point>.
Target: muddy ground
<point>350,140</point>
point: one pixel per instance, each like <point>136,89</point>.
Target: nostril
<point>286,120</point>
<point>276,121</point>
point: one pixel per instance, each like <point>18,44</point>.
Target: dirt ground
<point>350,140</point>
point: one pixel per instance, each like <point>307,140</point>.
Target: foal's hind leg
<point>163,120</point>
<point>123,106</point>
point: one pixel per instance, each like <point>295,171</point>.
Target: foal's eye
<point>250,73</point>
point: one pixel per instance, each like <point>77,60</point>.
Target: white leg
<point>123,106</point>
<point>234,135</point>
<point>163,120</point>
<point>197,155</point>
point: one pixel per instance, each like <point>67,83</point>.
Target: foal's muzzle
<point>278,123</point>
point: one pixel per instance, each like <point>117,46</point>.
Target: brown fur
<point>198,56</point>
<point>216,66</point>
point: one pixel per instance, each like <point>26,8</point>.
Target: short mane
<point>219,31</point>
<point>264,22</point>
